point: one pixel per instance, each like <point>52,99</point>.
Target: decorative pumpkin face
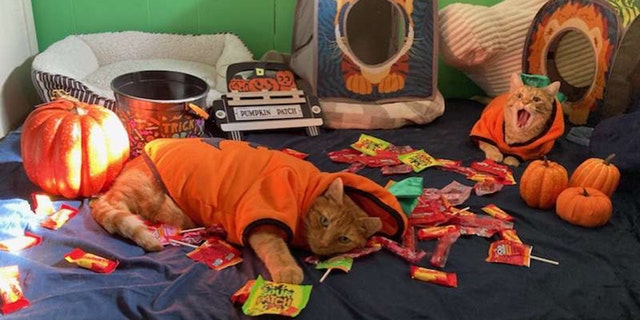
<point>73,149</point>
<point>285,80</point>
<point>597,173</point>
<point>584,206</point>
<point>237,84</point>
<point>263,84</point>
<point>541,183</point>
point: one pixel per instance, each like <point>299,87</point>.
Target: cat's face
<point>528,108</point>
<point>335,224</point>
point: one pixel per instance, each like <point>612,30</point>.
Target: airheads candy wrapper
<point>13,298</point>
<point>91,261</point>
<point>268,297</point>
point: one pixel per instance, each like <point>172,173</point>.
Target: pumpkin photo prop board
<point>263,96</point>
<point>372,64</point>
<point>573,41</point>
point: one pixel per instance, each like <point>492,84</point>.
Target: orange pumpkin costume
<point>240,186</point>
<point>490,128</point>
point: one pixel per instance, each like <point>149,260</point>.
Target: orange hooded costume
<point>490,128</point>
<point>241,186</point>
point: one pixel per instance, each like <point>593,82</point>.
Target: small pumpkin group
<point>583,199</point>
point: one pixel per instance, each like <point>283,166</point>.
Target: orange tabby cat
<point>521,124</point>
<point>333,224</point>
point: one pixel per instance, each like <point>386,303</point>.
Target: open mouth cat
<point>522,118</point>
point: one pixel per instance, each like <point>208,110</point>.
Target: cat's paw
<point>511,161</point>
<point>495,156</point>
<point>148,241</point>
<point>288,274</point>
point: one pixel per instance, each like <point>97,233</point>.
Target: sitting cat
<point>521,124</point>
<point>264,198</point>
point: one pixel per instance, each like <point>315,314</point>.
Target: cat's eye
<point>324,221</point>
<point>536,99</point>
<point>519,95</point>
<point>344,239</point>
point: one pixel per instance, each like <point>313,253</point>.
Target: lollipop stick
<point>326,273</point>
<point>190,230</point>
<point>183,243</point>
<point>545,260</point>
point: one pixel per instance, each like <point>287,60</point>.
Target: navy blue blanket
<point>597,277</point>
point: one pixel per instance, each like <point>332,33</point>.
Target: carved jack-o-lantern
<point>263,84</point>
<point>285,80</point>
<point>239,84</point>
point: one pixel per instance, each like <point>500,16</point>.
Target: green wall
<point>262,24</point>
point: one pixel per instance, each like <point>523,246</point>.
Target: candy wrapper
<point>369,145</point>
<point>354,167</point>
<point>509,252</point>
<point>510,234</point>
<point>434,276</point>
<point>494,211</point>
<point>403,252</point>
<point>28,240</point>
<point>216,254</point>
<point>396,169</point>
<point>407,192</point>
<point>241,295</point>
<point>91,261</point>
<point>487,187</point>
<point>60,217</point>
<point>13,298</point>
<point>42,204</point>
<point>164,233</point>
<point>441,252</point>
<point>418,160</point>
<point>344,155</point>
<point>268,297</point>
<point>491,167</point>
<point>341,263</point>
<point>456,193</point>
<point>436,232</point>
<point>295,153</point>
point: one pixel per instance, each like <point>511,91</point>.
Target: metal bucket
<point>159,104</point>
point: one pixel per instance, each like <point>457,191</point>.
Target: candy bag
<point>268,297</point>
<point>60,217</point>
<point>369,145</point>
<point>91,261</point>
<point>434,276</point>
<point>22,242</point>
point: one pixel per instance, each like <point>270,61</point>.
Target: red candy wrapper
<point>477,231</point>
<point>216,254</point>
<point>403,252</point>
<point>295,153</point>
<point>510,234</point>
<point>28,240</point>
<point>379,161</point>
<point>42,204</point>
<point>344,155</point>
<point>409,239</point>
<point>60,217</point>
<point>241,295</point>
<point>482,188</point>
<point>13,298</point>
<point>434,276</point>
<point>509,252</point>
<point>496,212</point>
<point>436,232</point>
<point>91,261</point>
<point>491,167</point>
<point>441,252</point>
<point>396,169</point>
<point>354,167</point>
<point>480,221</point>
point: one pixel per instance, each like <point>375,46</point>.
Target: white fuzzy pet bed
<point>84,65</point>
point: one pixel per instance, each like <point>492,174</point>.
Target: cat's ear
<point>516,82</point>
<point>335,191</point>
<point>552,89</point>
<point>371,225</point>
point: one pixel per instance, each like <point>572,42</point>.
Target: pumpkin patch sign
<point>73,149</point>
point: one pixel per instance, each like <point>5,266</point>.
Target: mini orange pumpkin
<point>584,206</point>
<point>541,183</point>
<point>597,173</point>
<point>73,149</point>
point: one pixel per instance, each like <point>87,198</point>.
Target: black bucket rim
<point>203,85</point>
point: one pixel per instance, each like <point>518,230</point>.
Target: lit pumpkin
<point>597,173</point>
<point>73,149</point>
<point>541,183</point>
<point>584,206</point>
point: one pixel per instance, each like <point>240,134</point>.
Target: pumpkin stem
<point>584,192</point>
<point>546,161</point>
<point>77,104</point>
<point>607,160</point>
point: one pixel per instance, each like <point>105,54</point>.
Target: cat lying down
<point>264,198</point>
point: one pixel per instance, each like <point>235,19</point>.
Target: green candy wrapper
<point>268,297</point>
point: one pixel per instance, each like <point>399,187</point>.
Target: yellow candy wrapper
<point>268,297</point>
<point>369,145</point>
<point>419,160</point>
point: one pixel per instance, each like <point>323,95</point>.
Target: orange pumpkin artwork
<point>73,149</point>
<point>285,80</point>
<point>238,84</point>
<point>263,84</point>
<point>541,183</point>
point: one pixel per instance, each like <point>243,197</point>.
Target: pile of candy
<point>434,215</point>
